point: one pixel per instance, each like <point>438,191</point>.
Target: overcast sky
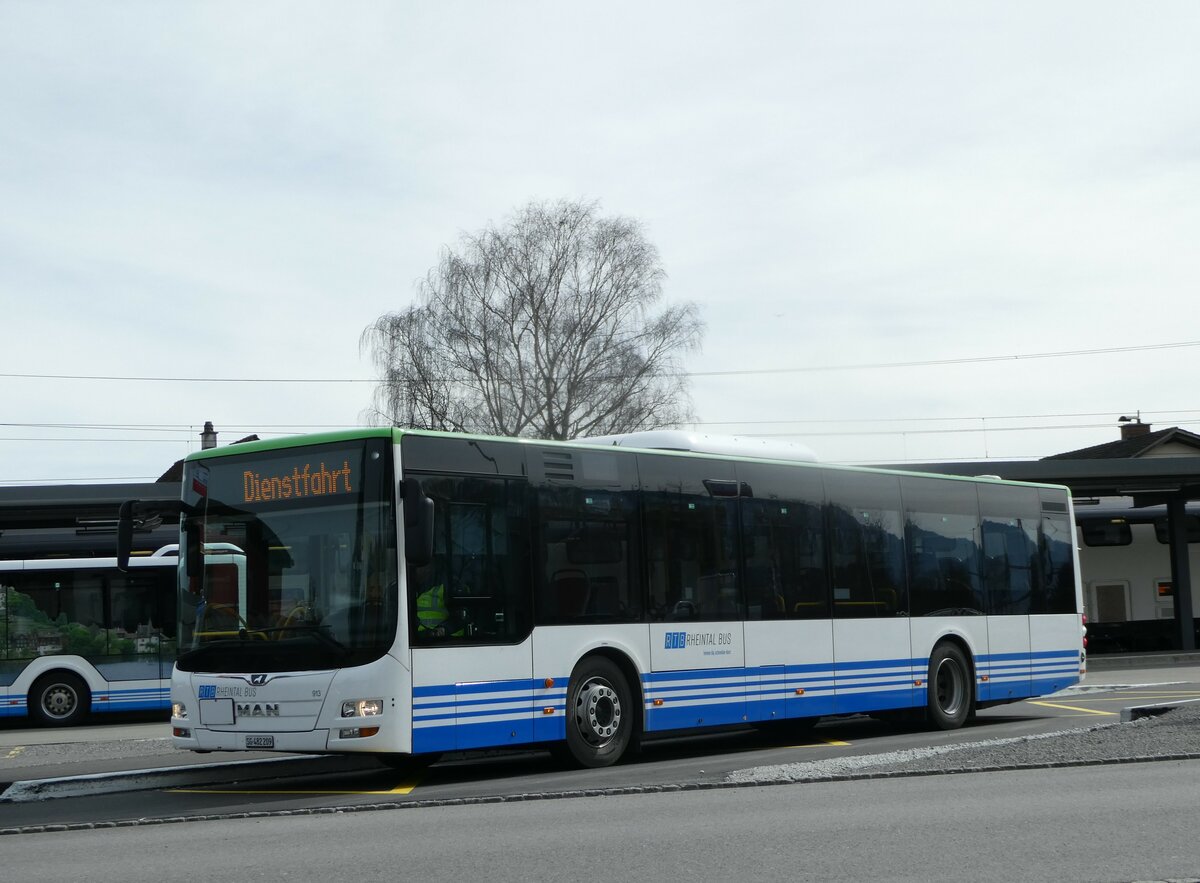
<point>236,190</point>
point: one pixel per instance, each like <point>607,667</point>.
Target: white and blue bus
<point>412,592</point>
<point>77,635</point>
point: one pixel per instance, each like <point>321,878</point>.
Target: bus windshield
<point>290,561</point>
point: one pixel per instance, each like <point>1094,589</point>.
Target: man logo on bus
<point>676,641</point>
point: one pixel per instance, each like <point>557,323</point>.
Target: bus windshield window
<point>290,559</point>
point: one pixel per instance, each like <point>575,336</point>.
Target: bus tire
<point>949,687</point>
<point>59,699</point>
<point>600,713</point>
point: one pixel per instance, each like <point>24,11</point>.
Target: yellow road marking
<point>1075,708</point>
<point>15,751</point>
<point>835,742</point>
<point>402,788</point>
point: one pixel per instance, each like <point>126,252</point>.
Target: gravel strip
<point>1175,734</point>
<point>53,753</point>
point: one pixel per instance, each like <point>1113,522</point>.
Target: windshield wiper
<point>306,630</point>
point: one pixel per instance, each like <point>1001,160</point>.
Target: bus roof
<point>599,442</point>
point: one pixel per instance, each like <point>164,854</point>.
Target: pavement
<point>1113,662</point>
<point>112,758</point>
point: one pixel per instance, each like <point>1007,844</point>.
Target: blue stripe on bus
<point>447,717</point>
<point>144,699</point>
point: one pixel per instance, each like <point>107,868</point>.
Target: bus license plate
<point>260,741</point>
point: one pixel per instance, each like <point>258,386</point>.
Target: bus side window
<point>691,535</point>
<point>480,561</point>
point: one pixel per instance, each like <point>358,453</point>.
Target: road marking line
<point>1076,708</point>
<point>835,742</point>
<point>403,788</point>
<point>400,790</point>
<point>15,751</point>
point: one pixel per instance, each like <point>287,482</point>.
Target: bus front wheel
<point>950,688</point>
<point>59,699</point>
<point>600,713</point>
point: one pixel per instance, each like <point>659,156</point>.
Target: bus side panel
<point>699,678</point>
<point>1056,645</point>
<point>788,662</point>
<point>873,665</point>
<point>927,631</point>
<point>472,697</point>
<point>12,700</point>
<point>1007,663</point>
<point>557,650</point>
<point>117,694</point>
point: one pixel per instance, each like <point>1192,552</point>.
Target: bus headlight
<point>362,708</point>
<point>178,711</point>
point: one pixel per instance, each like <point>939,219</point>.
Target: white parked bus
<point>77,635</point>
<point>414,592</point>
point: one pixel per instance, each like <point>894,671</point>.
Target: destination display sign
<point>306,474</point>
<point>303,480</point>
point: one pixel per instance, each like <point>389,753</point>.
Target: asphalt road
<point>283,786</point>
<point>1107,823</point>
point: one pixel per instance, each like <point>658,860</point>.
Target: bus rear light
<point>181,733</point>
<point>179,711</point>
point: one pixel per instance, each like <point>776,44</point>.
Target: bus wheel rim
<point>598,713</point>
<point>948,684</point>
<point>59,701</point>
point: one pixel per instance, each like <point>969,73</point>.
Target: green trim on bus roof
<point>294,441</point>
<point>365,432</point>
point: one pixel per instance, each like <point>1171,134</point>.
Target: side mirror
<point>125,534</point>
<point>193,552</point>
<point>418,523</point>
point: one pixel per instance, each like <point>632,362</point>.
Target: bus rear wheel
<point>951,697</point>
<point>600,713</point>
<point>59,699</point>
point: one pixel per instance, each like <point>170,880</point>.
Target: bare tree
<point>547,326</point>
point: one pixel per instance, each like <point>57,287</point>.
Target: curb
<point>1137,712</point>
<point>94,784</point>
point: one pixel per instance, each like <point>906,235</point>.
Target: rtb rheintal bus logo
<point>712,643</point>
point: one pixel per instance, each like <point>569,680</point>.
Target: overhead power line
<point>1174,415</point>
<point>733,373</point>
<point>804,433</point>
